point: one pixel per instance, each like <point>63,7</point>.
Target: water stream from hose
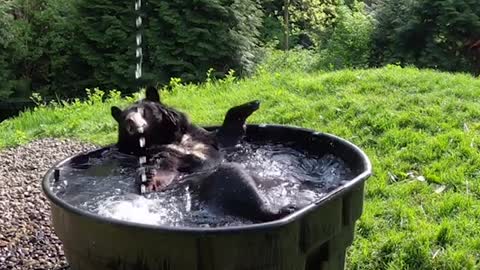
<point>138,75</point>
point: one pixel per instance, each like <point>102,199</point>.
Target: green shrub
<point>36,55</point>
<point>106,43</point>
<point>428,33</point>
<point>182,39</point>
<point>58,48</point>
<point>186,38</point>
<point>6,38</point>
<point>296,59</point>
<point>307,23</point>
<point>350,42</point>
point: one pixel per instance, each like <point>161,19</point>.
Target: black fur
<point>169,124</point>
<point>175,148</point>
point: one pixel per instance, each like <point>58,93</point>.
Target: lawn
<point>420,129</point>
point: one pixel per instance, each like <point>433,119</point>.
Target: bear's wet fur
<point>177,149</point>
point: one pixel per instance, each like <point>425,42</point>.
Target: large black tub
<point>315,237</point>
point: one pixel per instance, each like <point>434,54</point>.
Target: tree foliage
<point>36,40</point>
<point>313,16</point>
<point>350,43</point>
<point>59,48</point>
<point>106,43</point>
<point>6,39</point>
<point>308,20</point>
<point>428,33</point>
<point>186,38</point>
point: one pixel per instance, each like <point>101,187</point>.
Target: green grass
<point>413,124</point>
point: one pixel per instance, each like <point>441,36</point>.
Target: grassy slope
<point>411,123</point>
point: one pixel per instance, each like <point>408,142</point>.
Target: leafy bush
<point>106,43</point>
<point>296,59</point>
<point>313,17</point>
<point>307,23</point>
<point>428,33</point>
<point>6,38</point>
<point>58,48</point>
<point>181,39</point>
<point>36,40</point>
<point>187,38</point>
<point>350,43</point>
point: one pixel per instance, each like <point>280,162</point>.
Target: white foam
<point>140,210</point>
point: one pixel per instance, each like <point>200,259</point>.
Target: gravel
<point>27,239</point>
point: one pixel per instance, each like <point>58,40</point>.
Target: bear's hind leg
<point>233,128</point>
<point>233,190</point>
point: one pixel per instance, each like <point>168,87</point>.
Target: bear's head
<point>151,119</point>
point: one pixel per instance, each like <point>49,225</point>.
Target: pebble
<point>27,239</point>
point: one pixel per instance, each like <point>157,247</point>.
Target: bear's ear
<point>152,94</point>
<point>116,113</point>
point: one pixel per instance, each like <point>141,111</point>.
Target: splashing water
<point>103,185</point>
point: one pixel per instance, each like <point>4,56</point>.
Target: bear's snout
<point>135,123</point>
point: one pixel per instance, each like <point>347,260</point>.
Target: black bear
<point>177,149</point>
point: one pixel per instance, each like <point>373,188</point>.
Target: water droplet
<point>138,22</point>
<point>139,39</point>
<point>188,206</point>
<point>143,160</point>
<point>138,72</point>
<point>142,142</point>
